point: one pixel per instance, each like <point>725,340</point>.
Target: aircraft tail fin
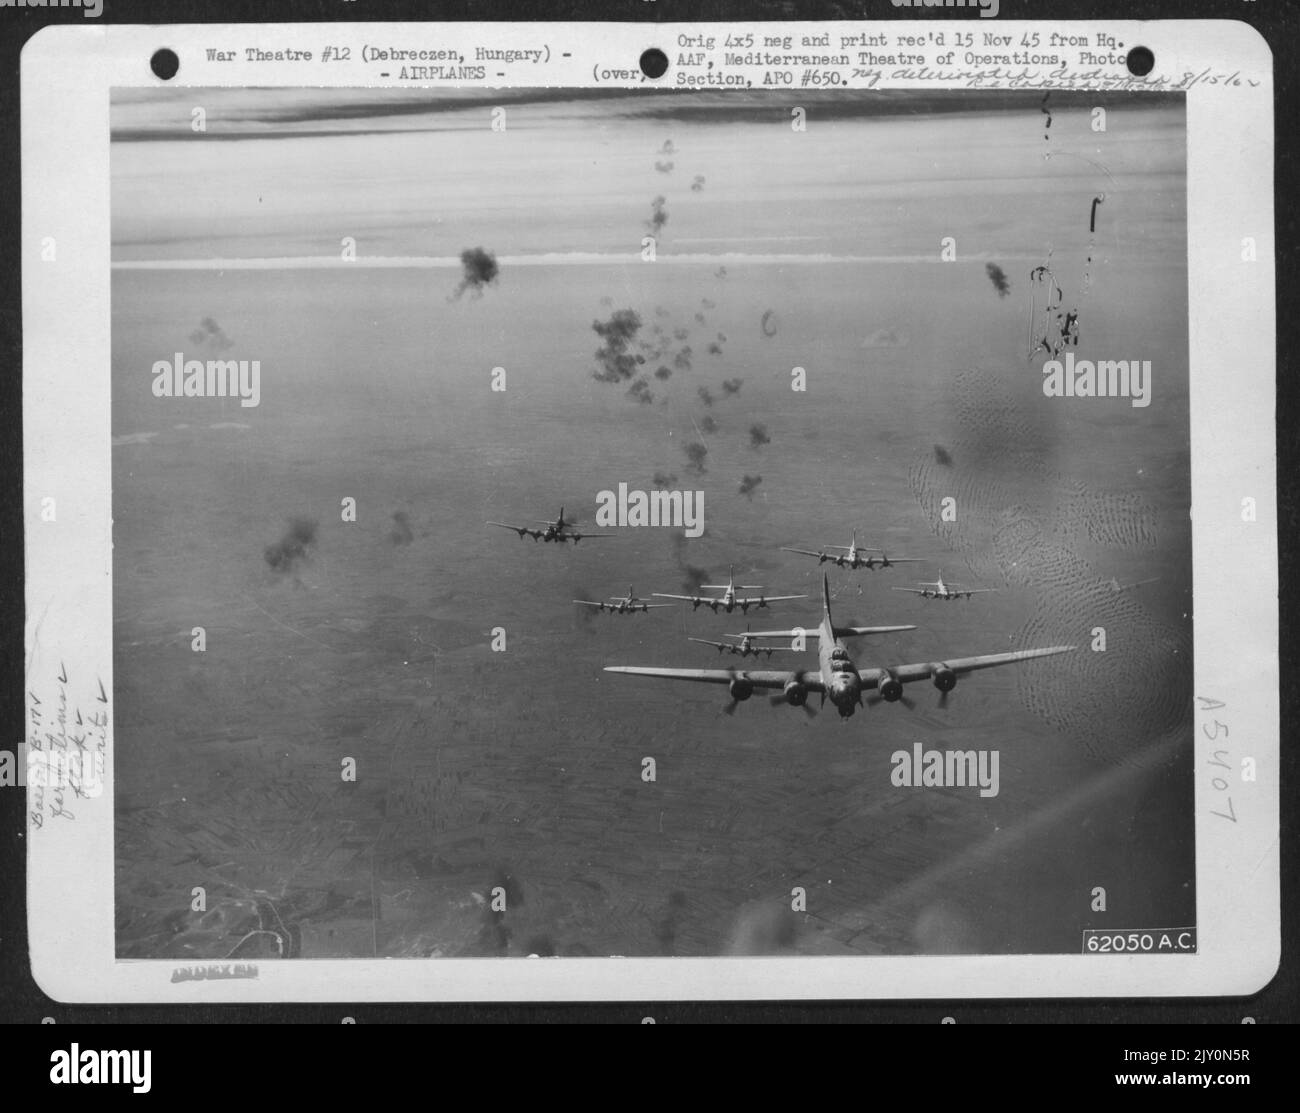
<point>826,600</point>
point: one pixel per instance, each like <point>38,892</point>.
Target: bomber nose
<point>844,694</point>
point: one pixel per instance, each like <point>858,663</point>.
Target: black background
<point>22,1002</point>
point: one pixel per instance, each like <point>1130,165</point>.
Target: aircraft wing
<point>735,646</point>
<point>767,599</point>
<point>840,632</point>
<point>521,530</point>
<point>913,590</point>
<point>907,560</point>
<point>760,678</point>
<point>589,603</point>
<point>805,552</point>
<point>686,598</point>
<point>813,633</point>
<point>584,536</point>
<point>975,590</point>
<point>871,678</point>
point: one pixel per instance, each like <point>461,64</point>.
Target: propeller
<point>730,708</point>
<point>778,699</point>
<point>905,700</point>
<point>943,701</point>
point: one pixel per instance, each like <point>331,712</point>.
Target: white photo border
<point>67,75</point>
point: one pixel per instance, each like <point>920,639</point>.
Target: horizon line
<point>573,258</point>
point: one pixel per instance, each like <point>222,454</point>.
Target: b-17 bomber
<point>559,531</point>
<point>728,601</point>
<point>937,589</point>
<point>744,645</point>
<point>851,555</point>
<point>622,604</point>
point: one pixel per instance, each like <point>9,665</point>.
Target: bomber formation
<point>835,676</point>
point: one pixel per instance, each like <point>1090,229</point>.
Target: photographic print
<point>583,523</point>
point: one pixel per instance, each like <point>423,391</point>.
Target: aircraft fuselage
<point>727,603</point>
<point>838,672</point>
<point>855,560</point>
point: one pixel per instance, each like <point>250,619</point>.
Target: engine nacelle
<point>891,689</point>
<point>796,694</point>
<point>741,689</point>
<point>944,678</point>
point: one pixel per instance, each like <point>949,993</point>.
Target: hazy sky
<point>291,172</point>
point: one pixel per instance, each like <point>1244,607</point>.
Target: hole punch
<point>654,62</point>
<point>1140,61</point>
<point>164,64</point>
